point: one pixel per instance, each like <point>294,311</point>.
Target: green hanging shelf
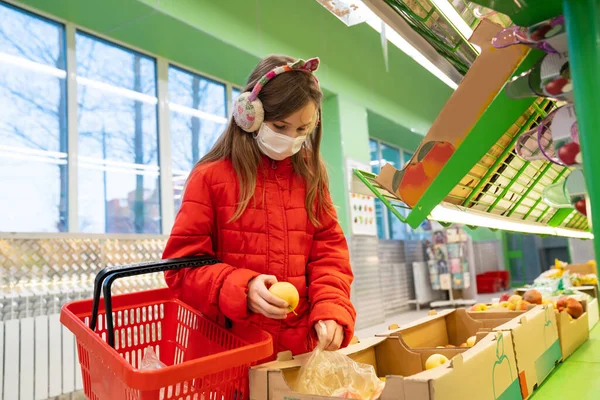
<point>485,177</point>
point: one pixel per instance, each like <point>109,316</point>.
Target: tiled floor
<point>577,377</point>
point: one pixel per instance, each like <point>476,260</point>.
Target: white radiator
<point>38,359</point>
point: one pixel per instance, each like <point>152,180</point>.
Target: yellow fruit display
<point>471,341</point>
<point>435,360</point>
<point>288,293</point>
<point>479,307</point>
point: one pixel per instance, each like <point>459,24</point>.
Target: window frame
<point>401,151</point>
<point>163,115</point>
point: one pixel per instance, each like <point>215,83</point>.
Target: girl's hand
<point>261,301</point>
<point>335,335</point>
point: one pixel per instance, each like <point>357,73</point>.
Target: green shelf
<point>485,176</point>
<point>525,12</point>
<point>498,183</point>
<point>427,20</point>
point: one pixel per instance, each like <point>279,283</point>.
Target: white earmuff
<point>248,114</point>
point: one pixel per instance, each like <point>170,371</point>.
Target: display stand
<point>448,263</point>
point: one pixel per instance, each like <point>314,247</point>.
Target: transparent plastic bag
<point>150,360</point>
<point>328,373</point>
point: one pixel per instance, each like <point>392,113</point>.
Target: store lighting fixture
<point>459,215</point>
<point>402,44</point>
<point>454,17</point>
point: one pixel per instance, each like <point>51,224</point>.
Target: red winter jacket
<point>273,236</point>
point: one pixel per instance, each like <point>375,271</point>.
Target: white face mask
<point>277,146</point>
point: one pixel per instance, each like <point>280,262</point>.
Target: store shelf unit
<point>485,177</point>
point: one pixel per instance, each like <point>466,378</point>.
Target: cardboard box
<point>486,371</point>
<point>449,327</point>
<point>536,344</point>
<point>587,268</point>
<point>494,318</point>
<point>482,83</point>
<point>593,313</point>
<point>572,333</point>
<point>592,306</point>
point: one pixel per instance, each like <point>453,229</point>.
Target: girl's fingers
<point>269,280</point>
<point>338,339</point>
<point>270,311</point>
<point>271,298</point>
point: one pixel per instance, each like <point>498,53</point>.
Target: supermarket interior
<point>456,137</point>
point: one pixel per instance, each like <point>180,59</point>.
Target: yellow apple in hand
<point>435,360</point>
<point>288,293</point>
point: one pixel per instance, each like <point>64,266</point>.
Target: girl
<point>259,202</point>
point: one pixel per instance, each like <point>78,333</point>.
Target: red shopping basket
<point>205,361</point>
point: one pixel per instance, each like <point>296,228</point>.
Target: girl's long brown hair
<point>281,97</point>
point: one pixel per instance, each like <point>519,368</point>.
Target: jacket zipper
<point>273,164</point>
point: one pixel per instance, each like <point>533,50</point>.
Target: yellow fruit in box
<point>512,306</point>
<point>504,304</point>
<point>479,307</point>
<point>286,292</point>
<point>471,341</point>
<point>435,360</point>
<point>514,299</point>
<point>495,305</point>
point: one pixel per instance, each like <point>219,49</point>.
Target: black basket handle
<point>106,277</point>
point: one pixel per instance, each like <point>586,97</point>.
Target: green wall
<point>390,132</point>
<point>332,138</point>
<point>225,39</point>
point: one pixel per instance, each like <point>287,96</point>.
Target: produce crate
<point>572,333</point>
<point>490,364</point>
<point>447,327</point>
<point>536,343</point>
<point>593,310</point>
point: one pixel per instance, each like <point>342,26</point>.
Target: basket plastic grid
<point>205,361</point>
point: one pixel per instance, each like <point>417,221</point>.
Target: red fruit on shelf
<point>540,33</point>
<point>568,152</point>
<point>581,206</point>
<point>555,87</point>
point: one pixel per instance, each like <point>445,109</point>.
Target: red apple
<point>412,183</point>
<point>568,152</point>
<point>434,155</point>
<point>581,206</point>
<point>555,87</point>
<point>504,297</point>
<point>561,304</point>
<point>533,296</point>
<point>540,33</point>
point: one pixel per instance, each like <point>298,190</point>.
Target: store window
<point>235,93</point>
<point>198,118</point>
<point>118,172</point>
<point>388,225</point>
<point>117,186</point>
<point>33,123</point>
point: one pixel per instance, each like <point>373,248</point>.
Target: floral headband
<point>310,66</point>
